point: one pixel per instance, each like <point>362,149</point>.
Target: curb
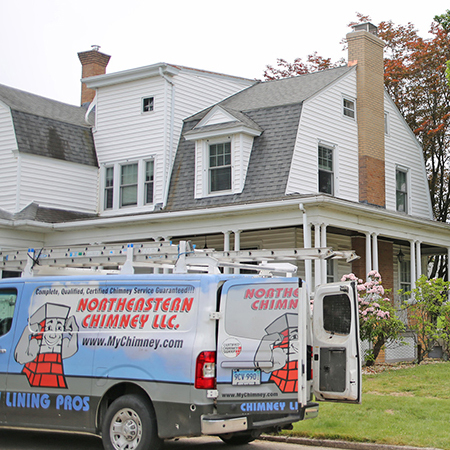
<point>339,444</point>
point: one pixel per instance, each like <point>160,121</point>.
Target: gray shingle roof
<point>275,107</point>
<point>49,128</point>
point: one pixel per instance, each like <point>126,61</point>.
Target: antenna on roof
<point>96,48</point>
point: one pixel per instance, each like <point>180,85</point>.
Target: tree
<point>378,322</point>
<point>429,314</point>
<point>415,78</point>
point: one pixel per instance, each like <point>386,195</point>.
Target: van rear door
<point>258,349</point>
<point>336,343</point>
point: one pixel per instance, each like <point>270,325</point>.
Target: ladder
<point>181,258</point>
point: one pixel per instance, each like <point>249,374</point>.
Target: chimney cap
<point>96,48</point>
<point>366,26</point>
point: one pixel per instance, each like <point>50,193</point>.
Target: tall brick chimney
<point>93,63</point>
<point>366,50</point>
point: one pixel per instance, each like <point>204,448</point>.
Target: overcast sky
<point>40,39</point>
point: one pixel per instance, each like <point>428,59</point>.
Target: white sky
<point>40,39</point>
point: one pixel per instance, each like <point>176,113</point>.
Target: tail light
<point>205,371</point>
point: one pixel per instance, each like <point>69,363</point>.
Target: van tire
<point>240,438</point>
<point>130,424</point>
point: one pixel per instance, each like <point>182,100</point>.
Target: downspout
<point>168,159</point>
<point>306,244</point>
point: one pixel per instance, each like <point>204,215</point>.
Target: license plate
<point>246,377</point>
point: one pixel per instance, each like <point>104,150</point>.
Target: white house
<point>323,159</point>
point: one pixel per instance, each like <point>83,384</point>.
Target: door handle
<point>2,350</point>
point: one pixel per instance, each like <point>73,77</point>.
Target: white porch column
<point>413,264</point>
<point>226,247</point>
<point>307,244</point>
<point>375,251</point>
<point>317,267</point>
<point>368,254</point>
<point>323,243</point>
<point>418,260</point>
<point>237,245</point>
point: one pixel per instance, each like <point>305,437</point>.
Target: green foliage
<point>429,313</point>
<point>408,407</point>
<point>378,322</point>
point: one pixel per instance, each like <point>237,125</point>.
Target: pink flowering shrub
<point>378,322</point>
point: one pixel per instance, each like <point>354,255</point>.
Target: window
<point>148,189</point>
<point>220,167</point>
<point>129,185</point>
<point>349,108</point>
<point>386,124</point>
<point>405,275</point>
<point>7,305</point>
<point>401,181</point>
<point>337,314</point>
<point>330,270</point>
<point>326,175</point>
<point>147,104</point>
<point>109,187</point>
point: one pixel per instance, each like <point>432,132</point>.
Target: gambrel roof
<point>275,108</point>
<point>49,128</point>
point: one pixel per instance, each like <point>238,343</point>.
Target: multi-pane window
<point>128,185</point>
<point>405,275</point>
<point>326,172</point>
<point>220,167</point>
<point>148,104</point>
<point>401,181</point>
<point>349,108</point>
<point>330,271</point>
<point>148,185</point>
<point>109,187</point>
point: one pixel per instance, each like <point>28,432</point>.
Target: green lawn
<point>408,406</point>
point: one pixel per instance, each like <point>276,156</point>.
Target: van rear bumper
<point>216,424</point>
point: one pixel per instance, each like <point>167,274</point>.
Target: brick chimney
<point>365,50</point>
<point>93,63</point>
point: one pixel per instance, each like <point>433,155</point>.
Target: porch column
<point>317,265</point>
<point>226,247</point>
<point>237,245</point>
<point>375,251</point>
<point>418,260</point>
<point>307,244</point>
<point>368,254</point>
<point>413,264</point>
<point>323,243</point>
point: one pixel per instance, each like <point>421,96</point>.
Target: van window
<point>7,304</point>
<point>337,314</point>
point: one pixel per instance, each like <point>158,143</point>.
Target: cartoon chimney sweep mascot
<point>280,347</point>
<point>49,338</point>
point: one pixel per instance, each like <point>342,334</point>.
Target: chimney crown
<point>366,26</point>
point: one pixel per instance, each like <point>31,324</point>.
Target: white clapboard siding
<point>57,184</point>
<point>8,161</point>
<point>322,120</point>
<point>402,149</point>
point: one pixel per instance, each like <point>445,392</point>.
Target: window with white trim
<point>331,270</point>
<point>149,180</point>
<point>109,188</point>
<point>148,103</point>
<point>348,108</point>
<point>405,275</point>
<point>128,185</point>
<point>326,169</point>
<point>401,188</point>
<point>219,167</point>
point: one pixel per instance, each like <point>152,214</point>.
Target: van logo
<point>49,337</point>
<point>279,347</point>
<point>231,348</point>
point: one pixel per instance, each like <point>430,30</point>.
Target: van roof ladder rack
<point>182,258</point>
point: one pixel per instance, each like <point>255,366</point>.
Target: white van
<point>142,358</point>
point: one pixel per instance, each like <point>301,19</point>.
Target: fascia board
<point>192,136</point>
<point>129,75</point>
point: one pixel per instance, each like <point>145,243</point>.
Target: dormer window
<point>220,167</point>
<point>147,104</point>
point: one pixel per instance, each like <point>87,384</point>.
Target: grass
<point>406,406</point>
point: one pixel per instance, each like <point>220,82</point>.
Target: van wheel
<point>240,438</point>
<point>130,424</point>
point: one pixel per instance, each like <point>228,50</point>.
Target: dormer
<point>223,144</point>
